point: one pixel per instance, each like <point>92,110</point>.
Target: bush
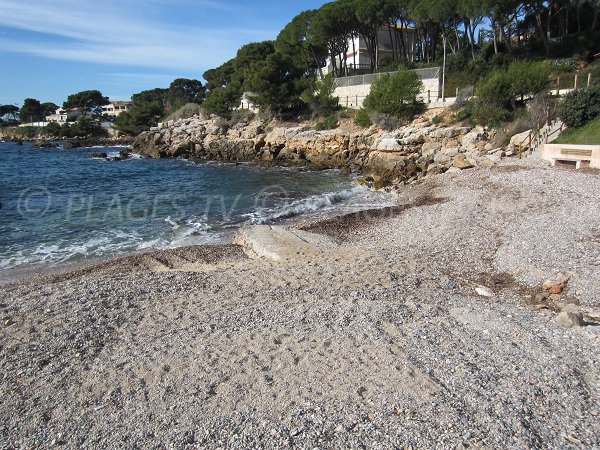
<point>396,95</point>
<point>87,127</point>
<point>495,89</point>
<point>362,118</point>
<point>346,113</point>
<point>26,132</point>
<point>489,114</point>
<point>327,123</point>
<point>53,129</point>
<point>319,96</point>
<point>186,111</point>
<point>241,116</point>
<point>386,122</point>
<point>580,106</point>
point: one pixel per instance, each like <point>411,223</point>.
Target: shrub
<point>223,124</point>
<point>319,96</point>
<point>386,122</point>
<point>563,65</point>
<point>346,113</point>
<point>241,116</point>
<point>327,123</point>
<point>495,89</point>
<point>87,127</point>
<point>53,129</point>
<point>396,95</point>
<point>580,106</point>
<point>362,118</point>
<point>489,114</point>
<point>186,111</point>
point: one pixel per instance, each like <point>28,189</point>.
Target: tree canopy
<point>31,111</point>
<point>87,102</point>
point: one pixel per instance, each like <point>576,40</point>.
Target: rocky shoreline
<point>400,156</point>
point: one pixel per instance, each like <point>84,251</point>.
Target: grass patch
<point>587,134</point>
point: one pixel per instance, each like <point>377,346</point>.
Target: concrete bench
<point>578,156</point>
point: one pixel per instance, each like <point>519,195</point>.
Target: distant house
<point>62,116</point>
<point>116,107</point>
<point>358,57</point>
<point>246,103</point>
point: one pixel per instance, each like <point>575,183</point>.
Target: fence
<point>358,80</point>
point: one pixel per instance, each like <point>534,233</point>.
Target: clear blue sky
<point>52,48</point>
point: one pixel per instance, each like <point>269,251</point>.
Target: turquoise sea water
<point>62,206</point>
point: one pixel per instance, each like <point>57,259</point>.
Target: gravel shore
<point>380,342</point>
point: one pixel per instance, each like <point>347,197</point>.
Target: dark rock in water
<point>98,155</point>
<point>68,145</point>
<point>44,144</point>
<point>124,154</point>
<point>19,142</point>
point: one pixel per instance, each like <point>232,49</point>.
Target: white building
<point>358,57</point>
<point>62,116</point>
<point>246,103</point>
<point>116,107</point>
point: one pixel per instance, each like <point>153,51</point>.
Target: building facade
<point>399,42</point>
<point>116,107</point>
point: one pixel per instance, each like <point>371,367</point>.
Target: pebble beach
<point>422,325</point>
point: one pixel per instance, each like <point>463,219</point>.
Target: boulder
<point>387,143</point>
<point>43,144</point>
<point>570,317</point>
<point>69,145</point>
<point>279,243</point>
<point>98,155</point>
<point>470,139</point>
<point>451,151</point>
<point>461,162</point>
<point>520,138</point>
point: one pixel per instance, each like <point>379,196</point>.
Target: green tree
<point>31,111</point>
<point>221,76</point>
<point>183,90</point>
<point>223,100</point>
<point>496,89</point>
<point>396,94</point>
<point>319,96</point>
<point>49,108</point>
<point>142,116</point>
<point>298,39</point>
<point>87,102</point>
<point>276,83</point>
<point>151,95</point>
<point>527,77</point>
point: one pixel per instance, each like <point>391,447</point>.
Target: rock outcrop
<point>405,154</point>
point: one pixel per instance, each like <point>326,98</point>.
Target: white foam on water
<point>348,200</point>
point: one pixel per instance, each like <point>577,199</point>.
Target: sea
<point>63,206</point>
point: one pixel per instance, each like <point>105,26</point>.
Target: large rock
<point>278,243</point>
<point>520,138</point>
<point>461,162</point>
<point>570,317</point>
